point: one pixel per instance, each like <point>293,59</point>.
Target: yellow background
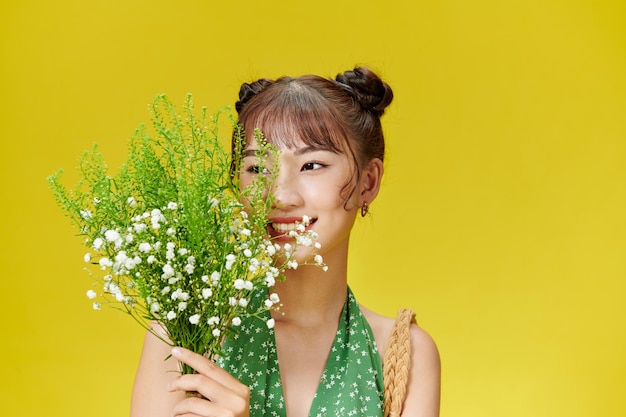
<point>501,221</point>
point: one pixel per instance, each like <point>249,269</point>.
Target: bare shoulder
<point>423,391</point>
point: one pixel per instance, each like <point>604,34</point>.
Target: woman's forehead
<point>291,135</point>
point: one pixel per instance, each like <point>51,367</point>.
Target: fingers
<point>210,369</point>
<point>198,407</point>
<point>223,394</point>
<point>221,402</point>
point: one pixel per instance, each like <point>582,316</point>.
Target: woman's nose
<point>286,191</point>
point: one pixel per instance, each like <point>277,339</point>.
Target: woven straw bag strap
<point>397,362</point>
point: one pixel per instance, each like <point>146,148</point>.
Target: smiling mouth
<point>284,227</point>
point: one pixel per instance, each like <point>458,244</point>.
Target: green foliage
<point>175,237</point>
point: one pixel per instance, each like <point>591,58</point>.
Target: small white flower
<point>112,235</point>
<point>271,323</point>
<point>139,227</point>
<point>91,294</point>
<point>300,228</point>
<point>172,206</point>
<point>96,305</point>
<point>287,247</point>
<point>269,279</point>
<point>170,231</point>
<point>85,214</point>
<point>230,260</point>
<point>269,303</point>
<point>131,201</point>
<point>232,301</point>
<point>105,263</point>
<point>97,243</point>
<point>306,220</point>
<point>206,293</point>
<point>292,264</point>
<point>248,285</point>
<point>154,307</point>
<point>236,321</point>
<point>325,268</point>
<point>171,315</point>
<point>180,295</point>
<point>96,200</point>
<point>182,306</point>
<point>165,290</point>
<point>215,276</point>
<point>168,271</point>
<point>243,302</point>
<point>318,259</point>
<point>213,202</point>
<point>212,321</point>
<point>151,259</point>
<point>189,269</point>
<point>195,319</point>
<point>270,250</point>
<point>304,240</point>
<point>87,257</point>
<point>239,284</point>
<point>204,278</point>
<point>274,298</point>
<point>121,256</point>
<point>246,232</point>
<point>216,332</point>
<point>145,247</point>
<point>317,245</point>
<point>248,253</point>
<point>183,251</point>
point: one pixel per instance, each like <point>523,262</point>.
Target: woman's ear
<point>370,180</point>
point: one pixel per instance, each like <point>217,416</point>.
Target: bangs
<point>292,115</point>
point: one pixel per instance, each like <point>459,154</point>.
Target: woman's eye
<point>310,166</point>
<point>257,169</point>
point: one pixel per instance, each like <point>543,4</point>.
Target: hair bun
<point>247,91</point>
<point>372,93</point>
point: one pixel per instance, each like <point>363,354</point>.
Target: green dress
<point>351,384</point>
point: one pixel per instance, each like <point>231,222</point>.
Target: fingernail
<point>176,352</point>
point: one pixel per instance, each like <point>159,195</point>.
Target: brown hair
<point>340,115</point>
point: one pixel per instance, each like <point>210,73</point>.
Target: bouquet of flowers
<point>175,238</point>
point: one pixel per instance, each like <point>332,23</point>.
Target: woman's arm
<point>150,395</point>
<point>423,389</point>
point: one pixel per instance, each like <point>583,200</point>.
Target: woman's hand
<point>223,394</point>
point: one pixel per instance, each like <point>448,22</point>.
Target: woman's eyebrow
<point>308,149</point>
<point>299,151</point>
<point>253,152</point>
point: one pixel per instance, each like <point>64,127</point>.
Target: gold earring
<point>364,209</point>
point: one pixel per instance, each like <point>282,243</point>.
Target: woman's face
<point>310,182</point>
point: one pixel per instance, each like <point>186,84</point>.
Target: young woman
<point>323,358</point>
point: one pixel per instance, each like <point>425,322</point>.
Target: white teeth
<point>284,227</point>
